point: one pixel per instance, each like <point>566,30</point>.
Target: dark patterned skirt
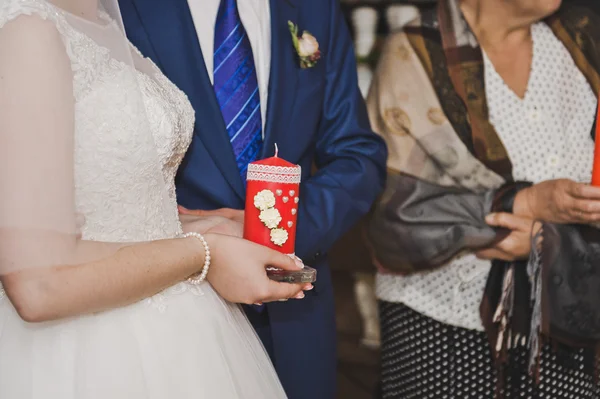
<point>424,359</point>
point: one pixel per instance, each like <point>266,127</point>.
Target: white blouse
<point>547,136</point>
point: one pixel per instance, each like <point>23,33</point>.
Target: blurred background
<point>353,273</point>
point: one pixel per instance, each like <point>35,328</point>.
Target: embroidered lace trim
<point>271,169</point>
<point>273,178</point>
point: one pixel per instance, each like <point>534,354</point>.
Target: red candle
<point>596,168</point>
<point>272,197</point>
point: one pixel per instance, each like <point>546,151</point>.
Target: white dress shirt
<point>256,17</point>
<point>546,135</point>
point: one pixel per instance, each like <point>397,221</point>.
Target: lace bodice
<point>120,191</point>
<point>126,152</point>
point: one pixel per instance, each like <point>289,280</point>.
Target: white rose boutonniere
<point>264,200</point>
<point>306,45</point>
<point>279,236</point>
<point>270,217</point>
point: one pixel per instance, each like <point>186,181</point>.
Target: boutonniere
<point>306,45</point>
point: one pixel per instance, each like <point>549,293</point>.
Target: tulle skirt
<point>186,343</point>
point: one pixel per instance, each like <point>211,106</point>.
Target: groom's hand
<point>233,214</point>
<point>211,224</point>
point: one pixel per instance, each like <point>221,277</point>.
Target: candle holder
<point>399,15</point>
<point>365,77</point>
<point>364,21</point>
<point>271,213</point>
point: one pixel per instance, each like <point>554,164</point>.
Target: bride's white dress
<point>184,343</point>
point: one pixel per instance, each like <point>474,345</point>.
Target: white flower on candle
<point>270,217</point>
<point>279,236</point>
<point>265,199</point>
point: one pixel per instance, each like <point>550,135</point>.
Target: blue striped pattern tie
<point>236,85</point>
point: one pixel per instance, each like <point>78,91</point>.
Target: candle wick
<point>276,150</point>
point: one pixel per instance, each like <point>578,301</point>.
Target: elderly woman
<point>488,108</point>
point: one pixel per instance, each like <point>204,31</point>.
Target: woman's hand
<point>517,245</point>
<point>559,201</point>
<point>239,272</point>
<point>211,224</point>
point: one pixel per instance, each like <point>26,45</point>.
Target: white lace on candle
<point>273,178</point>
<point>275,174</point>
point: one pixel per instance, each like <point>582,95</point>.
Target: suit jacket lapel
<point>284,77</point>
<point>171,31</point>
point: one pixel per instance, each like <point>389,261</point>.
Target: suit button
<point>535,115</point>
<point>553,161</point>
<point>557,280</point>
<point>315,258</point>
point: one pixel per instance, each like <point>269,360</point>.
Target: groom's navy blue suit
<point>316,116</point>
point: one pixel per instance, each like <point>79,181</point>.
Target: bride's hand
<point>211,224</point>
<point>239,274</point>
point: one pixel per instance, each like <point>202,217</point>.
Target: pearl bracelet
<point>198,278</point>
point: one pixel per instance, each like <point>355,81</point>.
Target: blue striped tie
<point>236,85</point>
